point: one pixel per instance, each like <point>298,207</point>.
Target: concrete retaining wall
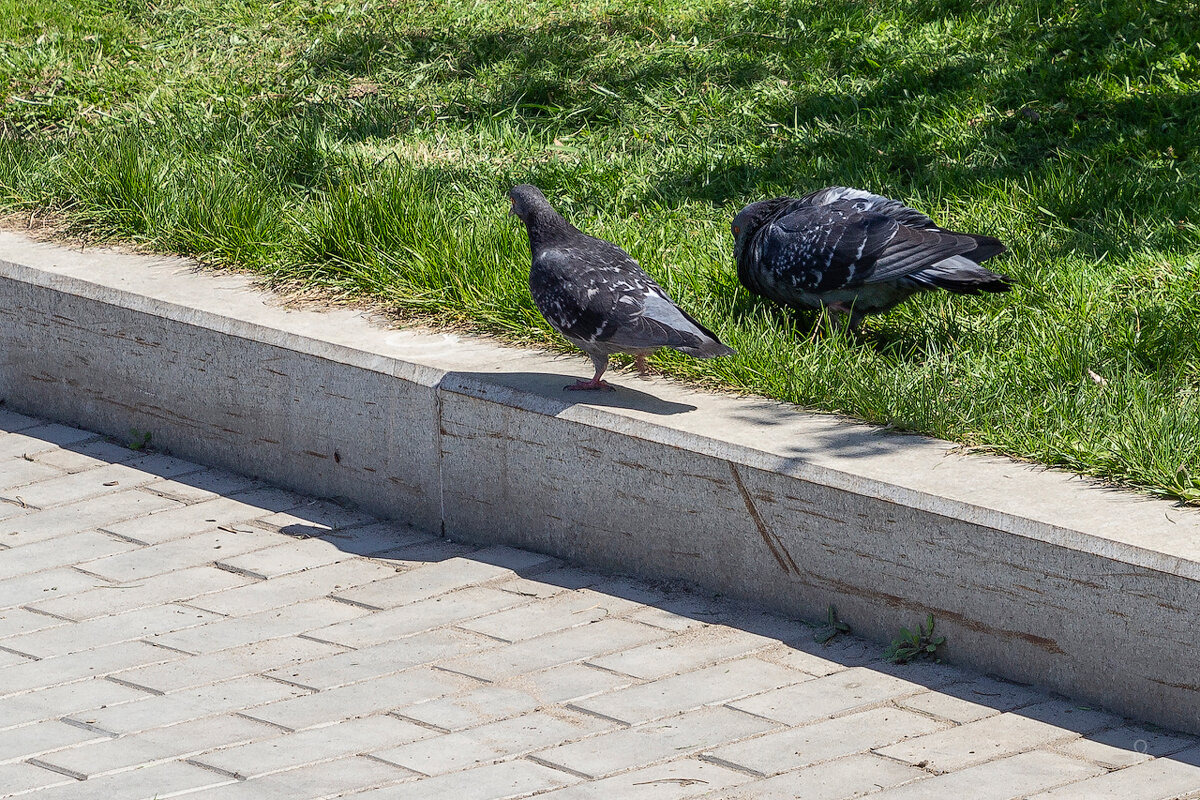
<point>1032,574</point>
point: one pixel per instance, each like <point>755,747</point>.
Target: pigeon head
<point>531,206</point>
<point>750,219</point>
<point>526,199</point>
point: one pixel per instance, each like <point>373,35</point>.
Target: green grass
<point>365,148</point>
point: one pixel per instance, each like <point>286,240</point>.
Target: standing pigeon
<point>852,252</point>
<point>595,295</point>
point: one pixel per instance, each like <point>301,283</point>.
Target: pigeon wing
<point>598,293</point>
<point>826,247</point>
<point>865,201</point>
<point>838,245</point>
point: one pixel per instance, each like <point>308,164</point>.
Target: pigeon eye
<point>736,230</point>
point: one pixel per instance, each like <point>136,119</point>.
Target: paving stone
<point>798,747</point>
<point>19,561</point>
<point>449,609</point>
<point>323,780</point>
<point>313,517</point>
<point>287,589</point>
<point>273,623</point>
<point>156,711</point>
<point>667,620</point>
<point>855,688</point>
<point>177,741</point>
<point>510,779</point>
<point>643,745</point>
<point>32,589</point>
<point>674,780</point>
<point>288,556</point>
<point>43,737</point>
<point>690,650</point>
<point>115,598</point>
<point>430,580</point>
<point>354,736</point>
<point>469,709</point>
<point>169,779</point>
<point>1168,778</point>
<point>18,778</point>
<point>379,537</point>
<point>1005,779</point>
<point>87,455</point>
<point>496,740</point>
<point>987,739</point>
<point>83,665</point>
<point>11,421</point>
<point>424,551</point>
<point>947,707</point>
<point>102,480</point>
<point>362,699</point>
<point>573,644</point>
<point>97,512</point>
<point>183,521</point>
<point>10,659</point>
<point>9,510</point>
<point>1129,744</point>
<point>19,472</point>
<point>550,583</point>
<point>59,701</point>
<point>825,659</point>
<point>186,672</point>
<point>840,779</point>
<point>19,620</point>
<point>974,699</point>
<point>556,613</point>
<point>79,636</point>
<point>193,551</point>
<point>715,684</point>
<point>565,683</point>
<point>40,438</point>
<point>383,659</point>
<point>206,484</point>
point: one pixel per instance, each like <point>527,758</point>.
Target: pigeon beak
<point>512,206</point>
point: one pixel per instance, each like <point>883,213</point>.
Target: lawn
<point>365,148</point>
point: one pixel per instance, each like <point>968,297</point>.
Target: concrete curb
<point>1033,574</point>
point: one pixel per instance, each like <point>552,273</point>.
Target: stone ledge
<point>1031,573</point>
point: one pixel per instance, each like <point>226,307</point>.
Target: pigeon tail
<point>985,247</point>
<point>710,348</point>
<point>961,275</point>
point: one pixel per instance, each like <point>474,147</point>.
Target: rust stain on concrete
<point>781,554</point>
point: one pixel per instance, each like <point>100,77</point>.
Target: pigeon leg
<point>601,362</point>
<point>833,316</point>
<point>643,368</point>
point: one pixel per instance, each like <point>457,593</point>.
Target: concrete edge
<point>1031,573</point>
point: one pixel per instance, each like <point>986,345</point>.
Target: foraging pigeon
<point>595,295</point>
<point>852,252</point>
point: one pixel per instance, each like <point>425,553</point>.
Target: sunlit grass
<point>365,148</point>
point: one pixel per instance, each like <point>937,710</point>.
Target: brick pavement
<point>171,630</point>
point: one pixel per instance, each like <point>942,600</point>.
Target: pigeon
<point>850,252</point>
<point>595,295</point>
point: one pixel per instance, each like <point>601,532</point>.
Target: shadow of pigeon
<point>551,398</point>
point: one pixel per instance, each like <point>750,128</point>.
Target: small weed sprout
<point>911,645</point>
<point>139,440</point>
<point>831,629</point>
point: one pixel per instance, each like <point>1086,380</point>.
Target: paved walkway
<point>167,629</point>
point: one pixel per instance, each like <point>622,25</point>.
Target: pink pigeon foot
<point>590,386</point>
